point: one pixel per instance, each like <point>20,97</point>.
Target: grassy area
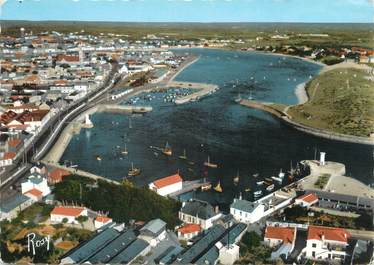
<point>278,106</point>
<point>120,201</point>
<point>252,251</point>
<point>339,34</point>
<point>322,181</point>
<point>341,100</point>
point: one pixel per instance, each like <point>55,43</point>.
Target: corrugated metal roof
<point>13,202</point>
<point>132,251</point>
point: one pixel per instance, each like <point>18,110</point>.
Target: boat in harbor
<point>125,152</point>
<point>133,171</point>
<point>268,181</point>
<point>167,150</point>
<point>255,175</point>
<point>206,187</point>
<point>247,190</point>
<point>184,156</point>
<point>98,158</point>
<point>238,98</point>
<point>257,193</point>
<point>281,174</point>
<point>270,187</point>
<point>236,178</point>
<point>218,187</point>
<point>279,180</point>
<point>259,183</point>
<point>209,164</point>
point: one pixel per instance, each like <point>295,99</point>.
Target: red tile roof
<point>9,155</point>
<point>35,192</point>
<point>330,233</point>
<point>67,211</point>
<point>309,198</point>
<point>58,174</point>
<point>160,183</point>
<point>286,234</point>
<point>68,58</point>
<point>14,142</point>
<point>103,219</point>
<point>189,228</point>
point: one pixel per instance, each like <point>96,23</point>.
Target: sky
<point>340,11</point>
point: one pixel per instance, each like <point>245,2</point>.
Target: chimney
<point>322,161</point>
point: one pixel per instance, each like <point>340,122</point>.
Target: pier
<point>125,108</point>
<point>188,186</point>
<point>202,90</point>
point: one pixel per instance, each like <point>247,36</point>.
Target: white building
<point>188,231</point>
<point>246,211</point>
<point>153,232</point>
<point>36,181</point>
<point>326,243</point>
<point>307,200</point>
<point>167,185</point>
<point>59,213</point>
<point>282,238</point>
<point>101,220</point>
<point>199,212</point>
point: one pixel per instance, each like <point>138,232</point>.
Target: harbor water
<point>239,140</point>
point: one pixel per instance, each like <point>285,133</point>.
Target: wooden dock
<point>189,186</point>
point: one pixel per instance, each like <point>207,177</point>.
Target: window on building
<point>313,254</point>
<point>314,245</point>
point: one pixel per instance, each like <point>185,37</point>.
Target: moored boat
<point>184,156</point>
<point>259,183</point>
<point>133,171</point>
<point>270,187</point>
<point>218,187</point>
<point>167,150</point>
<point>257,193</point>
<point>209,164</point>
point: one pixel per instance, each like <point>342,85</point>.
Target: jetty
<point>124,108</point>
<point>188,186</point>
<point>287,120</point>
<point>202,89</point>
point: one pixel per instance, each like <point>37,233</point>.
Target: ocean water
<point>238,139</point>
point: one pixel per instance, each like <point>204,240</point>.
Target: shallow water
<point>235,137</point>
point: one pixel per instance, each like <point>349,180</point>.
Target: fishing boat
<point>257,193</point>
<point>167,150</point>
<point>98,158</point>
<point>259,183</point>
<point>209,164</point>
<point>206,187</point>
<point>133,171</point>
<point>236,178</point>
<point>238,98</point>
<point>125,152</point>
<point>218,187</point>
<point>277,179</point>
<point>184,156</point>
<point>269,180</point>
<point>255,175</point>
<point>247,190</point>
<point>281,174</point>
<point>270,187</point>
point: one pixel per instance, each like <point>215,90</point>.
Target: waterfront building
<point>167,185</point>
<point>199,212</point>
<point>326,243</point>
<point>59,213</point>
<point>282,238</point>
<point>246,211</point>
<point>57,175</point>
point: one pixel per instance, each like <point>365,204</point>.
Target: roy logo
<point>34,243</point>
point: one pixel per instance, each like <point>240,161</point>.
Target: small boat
<point>125,152</point>
<point>269,180</point>
<point>238,98</point>
<point>259,183</point>
<point>255,175</point>
<point>236,178</point>
<point>277,179</point>
<point>270,187</point>
<point>133,171</point>
<point>190,169</point>
<point>191,163</point>
<point>98,158</point>
<point>167,150</point>
<point>257,193</point>
<point>155,153</point>
<point>184,156</point>
<point>218,187</point>
<point>247,189</point>
<point>206,187</point>
<point>281,174</point>
<point>209,164</point>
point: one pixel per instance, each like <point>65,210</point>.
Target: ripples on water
<point>235,137</point>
